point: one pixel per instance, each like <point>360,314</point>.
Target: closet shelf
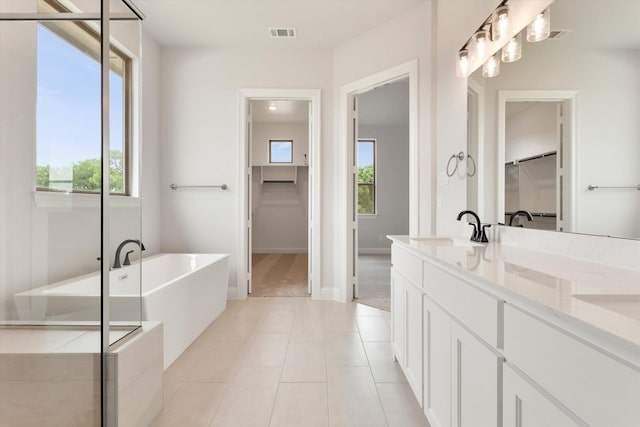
<point>279,173</point>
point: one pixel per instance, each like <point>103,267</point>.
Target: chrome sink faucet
<point>479,230</point>
<point>116,261</point>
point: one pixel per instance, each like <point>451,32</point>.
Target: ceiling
<point>386,105</point>
<point>285,112</point>
<point>320,24</point>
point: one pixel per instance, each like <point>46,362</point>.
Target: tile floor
<point>374,280</point>
<point>290,362</point>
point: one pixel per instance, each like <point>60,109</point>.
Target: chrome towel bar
<point>176,186</point>
<point>592,187</point>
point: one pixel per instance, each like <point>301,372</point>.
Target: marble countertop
<point>597,296</point>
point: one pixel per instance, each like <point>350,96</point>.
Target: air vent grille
<point>282,33</point>
<point>557,34</point>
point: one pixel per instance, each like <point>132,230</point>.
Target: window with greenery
<point>366,176</point>
<point>280,151</point>
<point>68,121</point>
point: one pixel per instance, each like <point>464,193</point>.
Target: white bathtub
<point>184,291</point>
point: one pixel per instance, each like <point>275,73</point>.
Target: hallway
<point>290,362</point>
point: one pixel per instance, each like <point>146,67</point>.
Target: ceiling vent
<point>558,34</point>
<point>282,33</point>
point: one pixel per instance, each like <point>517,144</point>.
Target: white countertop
<point>601,299</point>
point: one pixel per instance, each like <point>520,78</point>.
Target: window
<point>366,176</point>
<point>69,109</point>
<point>280,151</point>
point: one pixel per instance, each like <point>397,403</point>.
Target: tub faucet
<point>479,233</point>
<point>515,214</point>
<point>116,261</point>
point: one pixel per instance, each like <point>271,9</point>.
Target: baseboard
<point>374,251</point>
<point>279,250</point>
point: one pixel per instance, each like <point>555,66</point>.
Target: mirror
<point>557,133</point>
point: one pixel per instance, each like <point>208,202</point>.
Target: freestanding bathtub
<point>184,291</point>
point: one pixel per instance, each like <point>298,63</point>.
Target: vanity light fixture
<point>462,68</point>
<point>481,38</point>
<point>491,68</point>
<point>500,22</point>
<point>512,51</point>
<point>540,28</point>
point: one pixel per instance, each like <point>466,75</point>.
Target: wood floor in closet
<point>279,275</point>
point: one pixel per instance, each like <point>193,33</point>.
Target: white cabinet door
<point>526,405</point>
<point>476,390</point>
<point>437,364</point>
<point>397,315</point>
<point>413,339</point>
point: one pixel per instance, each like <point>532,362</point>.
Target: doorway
<point>346,238</point>
<point>291,172</point>
<point>279,198</point>
<point>382,153</point>
<point>536,155</point>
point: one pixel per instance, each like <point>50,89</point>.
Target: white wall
<point>199,110</point>
<point>531,131</point>
<point>263,132</point>
<point>45,238</point>
<point>402,39</point>
<point>280,210</point>
<point>392,188</point>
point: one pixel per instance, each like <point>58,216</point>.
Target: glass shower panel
<point>50,223</point>
<point>126,240</point>
<point>53,228</point>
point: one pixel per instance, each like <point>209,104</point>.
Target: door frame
<point>314,164</point>
<point>345,247</point>
<point>570,147</point>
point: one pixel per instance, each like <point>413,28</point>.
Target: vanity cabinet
<point>437,364</point>
<point>475,372</point>
<point>476,355</point>
<point>527,405</point>
<point>406,301</point>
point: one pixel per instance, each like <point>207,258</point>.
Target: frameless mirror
<point>558,131</point>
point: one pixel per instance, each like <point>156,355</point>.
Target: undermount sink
<point>444,241</point>
<point>626,305</point>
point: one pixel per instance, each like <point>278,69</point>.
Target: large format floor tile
<point>289,361</point>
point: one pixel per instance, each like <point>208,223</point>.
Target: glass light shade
<point>491,68</point>
<point>480,38</point>
<point>512,51</point>
<point>462,66</point>
<point>500,23</point>
<point>540,28</point>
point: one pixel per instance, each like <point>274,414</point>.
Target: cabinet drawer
<point>600,390</point>
<point>409,265</point>
<point>477,310</point>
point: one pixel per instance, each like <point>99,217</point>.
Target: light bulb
<point>491,68</point>
<point>480,43</point>
<point>463,63</point>
<point>512,51</point>
<point>540,28</point>
<point>500,23</point>
<point>272,107</point>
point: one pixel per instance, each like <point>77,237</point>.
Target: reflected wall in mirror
<point>576,94</point>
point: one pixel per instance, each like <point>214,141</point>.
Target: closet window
<point>280,151</point>
<point>68,121</point>
<point>367,176</point>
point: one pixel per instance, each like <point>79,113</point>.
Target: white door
<point>310,170</point>
<point>249,183</point>
<point>353,194</point>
